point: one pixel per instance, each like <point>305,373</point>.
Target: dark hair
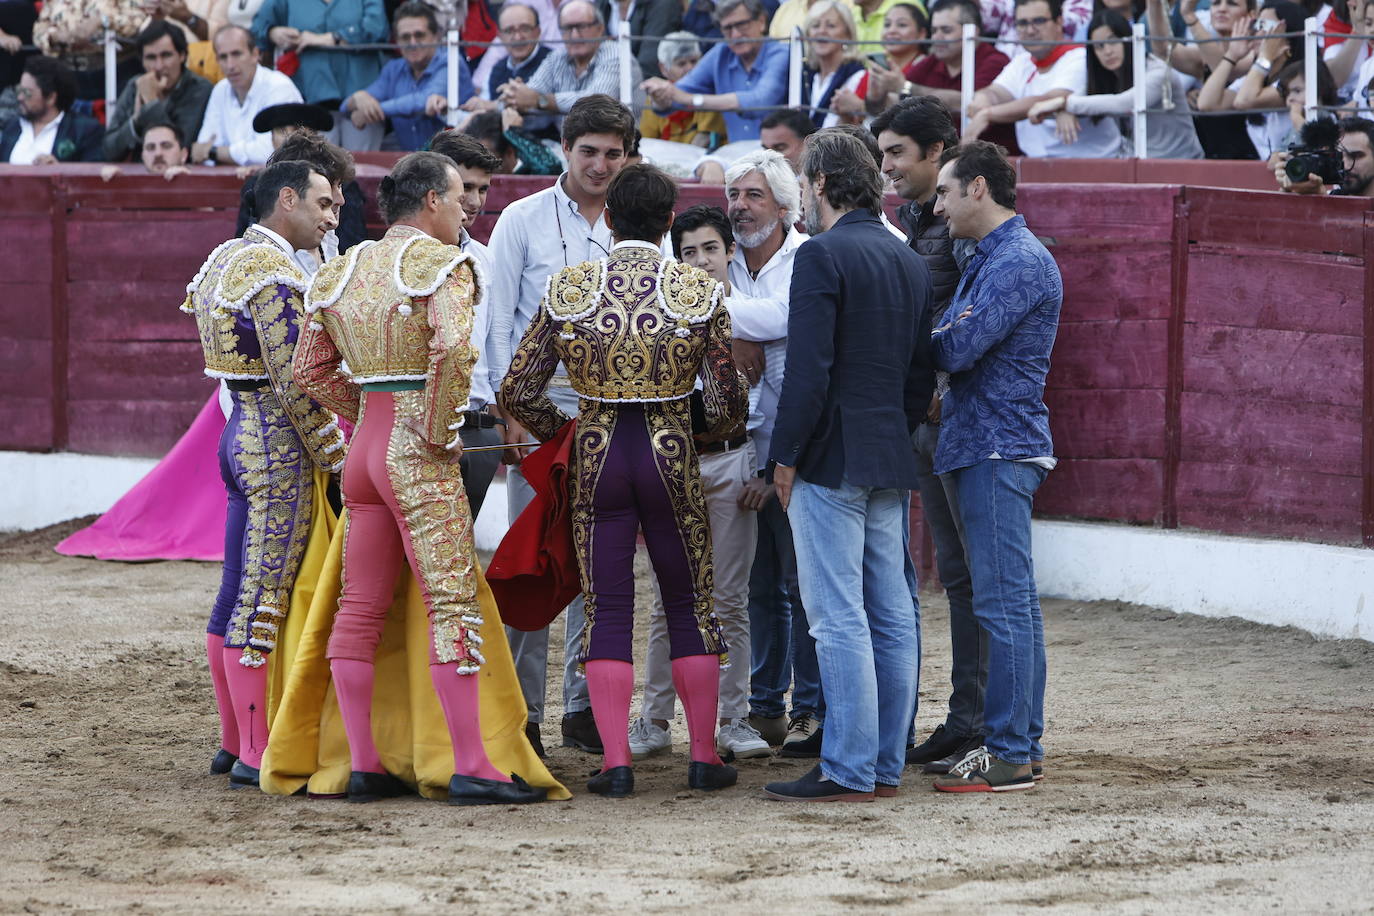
<point>277,175</point>
<point>969,11</point>
<point>701,216</point>
<point>923,119</point>
<point>486,125</point>
<point>599,114</point>
<point>755,9</point>
<point>1056,7</point>
<point>869,141</point>
<point>1292,18</point>
<point>333,162</point>
<point>403,192</point>
<point>414,9</point>
<point>852,179</point>
<point>640,201</point>
<point>1326,84</point>
<point>981,158</point>
<point>465,150</point>
<point>164,123</point>
<point>916,13</point>
<point>1359,126</point>
<point>1102,81</point>
<point>156,31</point>
<point>795,119</point>
<point>53,77</point>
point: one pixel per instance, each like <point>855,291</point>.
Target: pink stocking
<point>697,679</point>
<point>248,695</point>
<point>458,695</point>
<point>353,687</point>
<point>228,730</point>
<point>610,682</point>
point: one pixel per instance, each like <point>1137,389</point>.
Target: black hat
<point>293,114</point>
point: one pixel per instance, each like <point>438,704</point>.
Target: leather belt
<point>247,384</point>
<point>478,419</point>
<point>725,445</point>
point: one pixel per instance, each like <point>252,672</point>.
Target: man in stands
<point>163,153</point>
<point>227,136</point>
<point>585,65</point>
<point>47,131</point>
<point>166,91</point>
<point>1357,151</point>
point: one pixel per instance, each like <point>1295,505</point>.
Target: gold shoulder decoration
<point>688,294</point>
<point>187,305</point>
<point>424,263</point>
<point>332,278</point>
<point>574,292</point>
<point>252,269</point>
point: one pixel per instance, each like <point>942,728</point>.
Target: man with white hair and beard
<point>764,200</point>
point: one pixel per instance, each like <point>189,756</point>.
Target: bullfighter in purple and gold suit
<point>636,332</point>
<point>247,301</point>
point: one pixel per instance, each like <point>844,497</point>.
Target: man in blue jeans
<point>995,341</point>
<point>858,381</point>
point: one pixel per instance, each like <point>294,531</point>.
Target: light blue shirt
<point>720,73</point>
<point>403,97</point>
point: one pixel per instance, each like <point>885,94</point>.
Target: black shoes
<point>813,787</point>
<point>241,776</point>
<point>967,745</point>
<point>473,790</point>
<point>366,787</point>
<point>535,739</point>
<point>579,731</point>
<point>941,743</point>
<point>618,782</point>
<point>222,763</point>
<point>708,776</point>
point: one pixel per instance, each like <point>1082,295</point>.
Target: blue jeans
<point>995,504</point>
<point>780,645</point>
<point>968,672</point>
<point>849,543</point>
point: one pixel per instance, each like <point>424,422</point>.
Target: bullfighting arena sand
<point>1193,765</point>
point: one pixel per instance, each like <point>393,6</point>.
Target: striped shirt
<point>558,75</point>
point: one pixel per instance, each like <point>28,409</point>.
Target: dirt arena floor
<point>1193,765</point>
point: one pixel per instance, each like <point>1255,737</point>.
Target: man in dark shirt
<point>166,91</point>
<point>913,134</point>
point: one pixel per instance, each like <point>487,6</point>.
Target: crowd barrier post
<point>1139,98</point>
<point>623,46</point>
<point>451,45</point>
<point>111,63</point>
<point>1309,69</point>
<point>794,68</point>
<point>970,45</point>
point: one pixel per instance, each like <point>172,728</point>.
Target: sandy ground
<point>1193,765</point>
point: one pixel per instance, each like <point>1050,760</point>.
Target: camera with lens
<point>1317,154</point>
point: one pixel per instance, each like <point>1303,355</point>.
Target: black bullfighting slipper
<point>366,787</point>
<point>241,776</point>
<point>222,762</point>
<point>474,790</point>
<point>708,776</point>
<point>617,782</point>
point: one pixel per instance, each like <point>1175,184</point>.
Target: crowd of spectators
<point>1225,79</point>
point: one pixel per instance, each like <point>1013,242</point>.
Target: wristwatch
<point>907,88</point>
<point>1263,65</point>
<point>698,100</point>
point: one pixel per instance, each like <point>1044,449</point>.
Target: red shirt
<point>930,71</point>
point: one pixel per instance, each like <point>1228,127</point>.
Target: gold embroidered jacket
<point>396,310</point>
<point>629,328</point>
<point>246,300</point>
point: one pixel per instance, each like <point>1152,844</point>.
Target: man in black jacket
<point>166,92</point>
<point>858,382</point>
<point>47,131</point>
<point>912,135</point>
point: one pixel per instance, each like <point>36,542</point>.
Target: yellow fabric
<point>660,127</point>
<point>200,59</point>
<point>871,26</point>
<point>792,14</point>
<point>308,746</point>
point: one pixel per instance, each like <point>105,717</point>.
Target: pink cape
<point>176,512</point>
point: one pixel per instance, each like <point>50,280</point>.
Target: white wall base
<point>42,490</point>
<point>1319,588</point>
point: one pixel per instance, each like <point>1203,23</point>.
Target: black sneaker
<point>943,764</point>
<point>939,745</point>
<point>579,731</point>
<point>813,787</point>
<point>535,739</point>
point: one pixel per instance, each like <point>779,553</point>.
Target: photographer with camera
<point>1335,157</point>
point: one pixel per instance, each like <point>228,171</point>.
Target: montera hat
<point>293,114</point>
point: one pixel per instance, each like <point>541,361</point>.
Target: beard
<point>811,218</point>
<point>1355,185</point>
<point>758,236</point>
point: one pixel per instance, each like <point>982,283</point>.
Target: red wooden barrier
<point>1214,368</point>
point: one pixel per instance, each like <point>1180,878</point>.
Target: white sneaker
<point>738,737</point>
<point>647,739</point>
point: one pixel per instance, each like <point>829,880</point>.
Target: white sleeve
<point>1121,103</point>
<point>507,256</point>
<point>210,126</point>
<point>757,318</point>
<point>256,149</point>
<point>1069,72</point>
<point>1013,78</point>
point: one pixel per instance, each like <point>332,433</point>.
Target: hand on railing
<point>660,91</point>
<point>364,109</point>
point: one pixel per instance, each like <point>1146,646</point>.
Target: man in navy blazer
<point>47,130</point>
<point>858,382</point>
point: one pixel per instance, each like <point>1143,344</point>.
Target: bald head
<point>582,27</point>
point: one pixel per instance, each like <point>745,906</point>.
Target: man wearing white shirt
<point>475,166</point>
<point>535,237</point>
<point>226,135</point>
<point>1045,70</point>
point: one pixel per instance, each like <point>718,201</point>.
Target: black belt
<point>725,445</point>
<point>478,419</point>
<point>247,384</point>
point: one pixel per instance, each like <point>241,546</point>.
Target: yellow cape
<point>308,746</point>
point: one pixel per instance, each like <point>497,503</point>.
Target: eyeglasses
<point>23,92</point>
<point>578,28</point>
<point>735,28</point>
<point>414,38</point>
<point>1025,25</point>
<point>522,29</point>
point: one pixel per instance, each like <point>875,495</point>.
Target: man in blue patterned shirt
<point>994,341</point>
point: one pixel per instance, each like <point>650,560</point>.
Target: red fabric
<point>988,62</point>
<point>1334,23</point>
<point>1044,63</point>
<point>288,63</point>
<point>479,26</point>
<point>533,573</point>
